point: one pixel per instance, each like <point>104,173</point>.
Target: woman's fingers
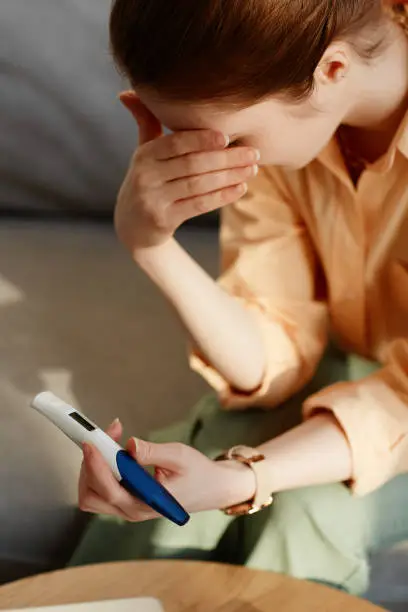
<point>193,207</point>
<point>115,430</point>
<point>100,492</point>
<point>202,184</point>
<point>206,162</point>
<point>169,456</point>
<point>100,478</point>
<point>95,504</point>
<point>183,143</point>
<point>92,502</point>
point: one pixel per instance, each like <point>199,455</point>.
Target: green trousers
<point>317,533</point>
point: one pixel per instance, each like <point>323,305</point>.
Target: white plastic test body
<point>126,470</point>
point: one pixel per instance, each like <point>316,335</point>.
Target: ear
<point>334,65</point>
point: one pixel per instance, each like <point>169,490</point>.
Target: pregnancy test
<point>132,476</point>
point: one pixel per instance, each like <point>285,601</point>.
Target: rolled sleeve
<point>269,265</point>
<point>373,413</point>
<point>288,368</point>
<point>280,376</point>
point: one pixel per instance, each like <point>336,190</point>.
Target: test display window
<point>80,419</point>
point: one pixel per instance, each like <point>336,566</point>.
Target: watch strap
<point>255,461</point>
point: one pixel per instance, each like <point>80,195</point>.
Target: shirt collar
<point>332,158</point>
<point>402,137</point>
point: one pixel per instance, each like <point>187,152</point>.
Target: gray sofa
<point>76,315</point>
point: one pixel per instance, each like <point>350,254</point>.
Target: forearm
<point>314,453</point>
<point>221,328</point>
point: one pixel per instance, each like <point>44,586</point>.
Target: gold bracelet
<point>253,459</point>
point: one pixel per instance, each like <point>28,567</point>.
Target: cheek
<point>281,147</point>
<point>294,144</point>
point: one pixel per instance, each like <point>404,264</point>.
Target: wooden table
<point>181,587</point>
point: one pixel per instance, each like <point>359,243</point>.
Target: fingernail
<point>257,154</point>
<point>115,422</point>
<point>87,449</point>
<point>256,169</point>
<point>135,442</point>
<point>223,140</point>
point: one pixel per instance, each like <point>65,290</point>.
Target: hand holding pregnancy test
<point>132,476</point>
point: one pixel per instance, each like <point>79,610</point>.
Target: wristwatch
<point>253,459</point>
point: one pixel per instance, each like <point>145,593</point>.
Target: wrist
<point>238,483</point>
<point>147,257</point>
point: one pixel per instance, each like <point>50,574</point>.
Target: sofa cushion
<point>65,140</point>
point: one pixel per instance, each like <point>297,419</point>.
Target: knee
<point>314,534</point>
<point>329,512</point>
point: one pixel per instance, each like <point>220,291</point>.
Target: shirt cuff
<point>372,416</point>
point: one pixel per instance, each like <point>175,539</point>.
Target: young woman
<point>291,116</point>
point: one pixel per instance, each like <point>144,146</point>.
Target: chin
<point>293,164</point>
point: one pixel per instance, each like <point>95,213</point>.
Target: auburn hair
<point>236,51</point>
